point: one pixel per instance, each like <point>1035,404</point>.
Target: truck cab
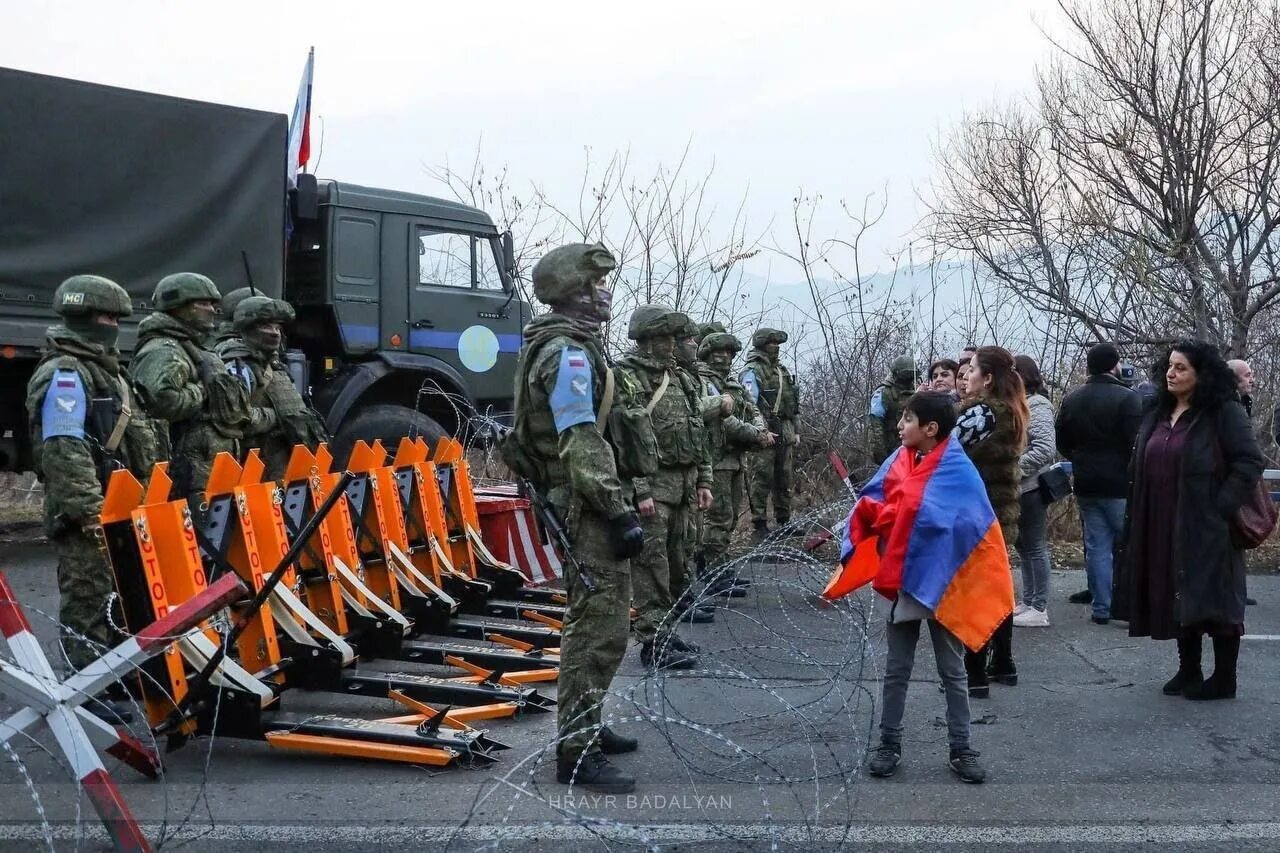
<point>408,317</point>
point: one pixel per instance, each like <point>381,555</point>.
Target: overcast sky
<point>840,97</point>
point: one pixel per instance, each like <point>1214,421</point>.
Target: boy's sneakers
<point>884,759</point>
<point>1021,608</point>
<point>1031,618</point>
<point>965,764</point>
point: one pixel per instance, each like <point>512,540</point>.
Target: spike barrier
<point>245,701</point>
<point>57,704</point>
<point>370,572</point>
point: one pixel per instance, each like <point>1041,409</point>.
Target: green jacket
<point>729,437</point>
<point>554,417</point>
<point>683,462</point>
<point>70,454</point>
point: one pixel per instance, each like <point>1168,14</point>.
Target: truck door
<point>459,312</point>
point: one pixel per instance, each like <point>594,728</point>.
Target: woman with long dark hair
<point>1195,462</point>
<point>1033,530</point>
<point>992,428</point>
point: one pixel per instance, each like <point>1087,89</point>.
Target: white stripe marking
<point>931,834</point>
<point>1272,637</point>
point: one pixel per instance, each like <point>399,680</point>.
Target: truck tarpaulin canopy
<point>133,186</point>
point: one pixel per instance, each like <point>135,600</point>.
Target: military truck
<point>408,315</point>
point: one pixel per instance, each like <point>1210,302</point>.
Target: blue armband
<point>571,398</point>
<point>749,382</point>
<point>65,408</point>
<point>877,404</point>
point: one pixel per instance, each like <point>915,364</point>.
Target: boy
<point>927,420</point>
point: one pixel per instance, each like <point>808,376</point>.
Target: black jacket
<point>1221,465</point>
<point>1096,426</point>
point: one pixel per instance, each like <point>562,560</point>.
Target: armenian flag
<point>926,528</point>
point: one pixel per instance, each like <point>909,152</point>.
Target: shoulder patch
<point>65,408</point>
<point>712,389</point>
<point>572,400</point>
<point>749,382</point>
<point>877,404</point>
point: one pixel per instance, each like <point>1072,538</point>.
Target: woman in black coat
<point>1195,462</point>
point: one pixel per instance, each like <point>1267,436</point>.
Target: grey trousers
<point>949,652</point>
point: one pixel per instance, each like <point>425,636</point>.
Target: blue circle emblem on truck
<point>478,349</point>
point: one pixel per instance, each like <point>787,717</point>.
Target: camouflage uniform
<point>769,386</point>
<point>560,389</point>
<point>682,466</point>
<point>186,385</point>
<point>280,417</point>
<point>729,437</point>
<point>709,407</point>
<point>886,408</point>
<point>75,401</point>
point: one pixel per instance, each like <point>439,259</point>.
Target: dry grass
<point>21,499</point>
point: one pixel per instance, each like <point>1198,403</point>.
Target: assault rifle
<point>551,522</point>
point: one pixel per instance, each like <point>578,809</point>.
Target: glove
<point>628,535</point>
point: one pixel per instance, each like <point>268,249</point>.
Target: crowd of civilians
<point>1158,473</point>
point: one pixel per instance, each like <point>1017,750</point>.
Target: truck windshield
<point>457,260</point>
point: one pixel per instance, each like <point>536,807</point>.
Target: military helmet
<point>717,341</point>
<point>689,329</point>
<point>232,300</point>
<point>904,370</point>
<point>768,336</point>
<point>711,327</point>
<point>82,295</point>
<point>179,288</point>
<point>566,271</point>
<point>261,309</point>
<point>649,321</point>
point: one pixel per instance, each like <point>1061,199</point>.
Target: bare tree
<point>1136,198</point>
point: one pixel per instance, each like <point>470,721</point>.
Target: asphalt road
<point>760,749</point>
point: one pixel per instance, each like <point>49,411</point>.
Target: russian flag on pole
<point>300,122</point>
<point>927,529</point>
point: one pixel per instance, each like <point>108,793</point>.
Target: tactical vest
<point>677,424</point>
<point>119,433</point>
<point>777,391</point>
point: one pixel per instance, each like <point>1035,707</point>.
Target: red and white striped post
<point>78,733</point>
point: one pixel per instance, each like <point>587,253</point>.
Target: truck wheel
<point>386,422</point>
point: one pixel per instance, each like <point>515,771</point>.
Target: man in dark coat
<point>1095,429</point>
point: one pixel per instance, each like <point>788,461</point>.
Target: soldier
<point>281,417</point>
<point>662,488</point>
<point>564,391</point>
<point>770,387</point>
<point>739,429</point>
<point>85,423</point>
<point>183,383</point>
<point>710,407</point>
<point>886,407</point>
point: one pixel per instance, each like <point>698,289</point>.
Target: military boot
<point>593,772</point>
<point>612,743</point>
<point>664,655</point>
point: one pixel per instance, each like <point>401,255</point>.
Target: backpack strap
<point>657,394</point>
<point>606,400</point>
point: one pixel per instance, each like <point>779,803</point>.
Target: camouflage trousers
<point>594,638</point>
<point>85,583</point>
<point>771,476</point>
<point>659,568</point>
<point>722,518</point>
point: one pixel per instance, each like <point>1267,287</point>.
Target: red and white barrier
<point>78,733</point>
<point>510,530</point>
